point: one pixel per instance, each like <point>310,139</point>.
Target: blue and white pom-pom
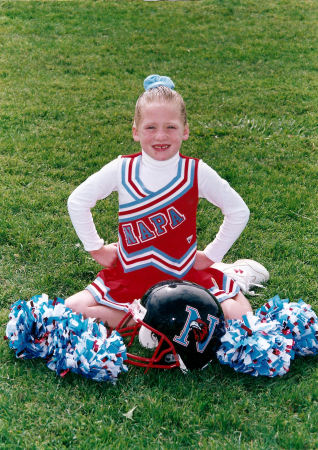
<point>48,329</point>
<point>265,343</point>
<point>256,347</point>
<point>295,318</point>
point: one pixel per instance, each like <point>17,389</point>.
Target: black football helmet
<point>182,322</point>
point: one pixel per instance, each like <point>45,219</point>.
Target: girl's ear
<point>135,133</point>
<point>186,132</point>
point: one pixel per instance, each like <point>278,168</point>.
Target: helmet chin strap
<point>182,365</point>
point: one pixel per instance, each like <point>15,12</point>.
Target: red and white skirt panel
<point>118,289</point>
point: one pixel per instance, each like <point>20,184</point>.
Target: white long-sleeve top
<point>155,175</point>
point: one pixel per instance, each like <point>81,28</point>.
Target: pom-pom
<point>31,323</point>
<point>84,348</point>
<point>265,343</point>
<point>48,329</point>
<point>153,81</point>
<point>295,318</point>
<point>256,347</point>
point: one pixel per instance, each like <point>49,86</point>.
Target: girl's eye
<point>172,127</point>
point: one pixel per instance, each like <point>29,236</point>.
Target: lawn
<point>70,74</point>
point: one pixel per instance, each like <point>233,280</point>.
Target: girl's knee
<point>80,300</point>
<point>236,307</point>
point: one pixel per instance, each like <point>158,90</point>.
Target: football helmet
<point>181,321</point>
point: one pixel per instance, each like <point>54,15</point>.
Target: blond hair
<point>160,94</point>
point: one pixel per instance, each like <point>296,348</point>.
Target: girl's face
<point>160,130</point>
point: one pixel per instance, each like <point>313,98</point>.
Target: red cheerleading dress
<point>157,239</point>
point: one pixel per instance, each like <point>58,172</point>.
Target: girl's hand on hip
<point>106,256</point>
<point>202,261</point>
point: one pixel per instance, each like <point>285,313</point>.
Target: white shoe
<point>246,273</point>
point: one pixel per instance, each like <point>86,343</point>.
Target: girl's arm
<point>236,214</point>
<point>98,186</point>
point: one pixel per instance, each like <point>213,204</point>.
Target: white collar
<point>154,163</point>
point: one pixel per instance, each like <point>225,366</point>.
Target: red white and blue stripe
<point>147,202</point>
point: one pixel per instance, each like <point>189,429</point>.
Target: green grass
<point>70,73</point>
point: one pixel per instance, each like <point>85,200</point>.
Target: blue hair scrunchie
<point>153,81</point>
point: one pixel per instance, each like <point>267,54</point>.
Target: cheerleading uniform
<point>157,225</point>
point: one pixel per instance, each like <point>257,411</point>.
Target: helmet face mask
<point>183,324</point>
<point>163,356</point>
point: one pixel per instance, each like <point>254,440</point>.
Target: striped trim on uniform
<point>100,292</point>
<point>128,168</point>
<point>145,203</point>
<point>151,256</point>
<point>229,290</point>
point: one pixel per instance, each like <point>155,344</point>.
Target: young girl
<point>158,191</point>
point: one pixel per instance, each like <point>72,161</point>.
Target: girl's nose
<point>161,134</point>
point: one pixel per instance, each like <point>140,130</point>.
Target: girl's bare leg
<point>83,302</point>
<point>236,307</point>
